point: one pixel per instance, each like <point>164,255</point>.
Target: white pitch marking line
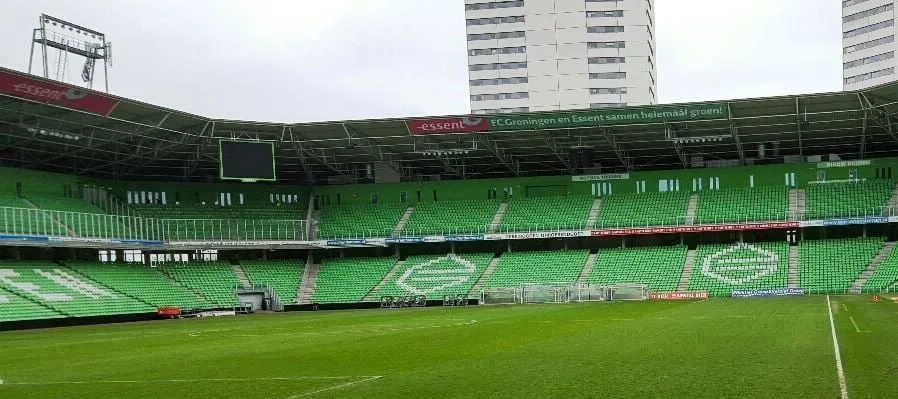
<point>844,307</point>
<point>843,387</point>
<point>336,387</point>
<point>340,377</point>
<point>856,328</point>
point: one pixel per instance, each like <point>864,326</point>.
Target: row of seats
<point>832,265</point>
<point>742,205</point>
<point>847,199</point>
<point>144,283</point>
<point>885,278</point>
<point>283,276</point>
<point>349,279</point>
<point>658,267</point>
<point>436,275</point>
<point>367,220</point>
<point>538,267</point>
<point>214,280</point>
<point>542,213</point>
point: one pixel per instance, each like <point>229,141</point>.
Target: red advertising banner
<point>418,127</point>
<point>694,229</point>
<point>53,93</point>
<point>675,296</point>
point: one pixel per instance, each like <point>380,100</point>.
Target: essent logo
<point>448,125</point>
<point>43,92</point>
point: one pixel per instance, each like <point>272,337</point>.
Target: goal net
<point>564,293</point>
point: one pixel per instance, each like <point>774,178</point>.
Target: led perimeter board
<point>247,161</point>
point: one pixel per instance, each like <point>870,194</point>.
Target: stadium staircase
<point>403,220</point>
<point>871,268</point>
<point>497,218</point>
<point>893,201</point>
<point>241,275</point>
<point>396,267</point>
<point>281,277</point>
<point>593,213</point>
<point>314,219</point>
<point>796,204</point>
<point>690,209</point>
<point>587,267</point>
<point>309,280</point>
<point>793,267</point>
<point>486,273</point>
<point>686,275</point>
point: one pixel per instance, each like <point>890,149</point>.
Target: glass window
<point>869,28</point>
<point>870,44</point>
<point>494,5</point>
<point>607,60</point>
<point>604,29</point>
<point>599,14</point>
<point>869,75</point>
<point>869,60</point>
<point>608,90</point>
<point>608,75</point>
<point>618,44</point>
<point>867,13</point>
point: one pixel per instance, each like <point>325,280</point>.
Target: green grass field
<point>719,348</point>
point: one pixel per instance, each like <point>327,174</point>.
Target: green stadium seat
<point>761,265</point>
<point>349,279</point>
<point>282,276</point>
<point>658,267</point>
<point>365,220</point>
<point>742,205</point>
<point>885,277</point>
<point>14,307</point>
<point>436,275</point>
<point>858,199</point>
<point>830,266</point>
<point>451,217</point>
<point>644,209</point>
<point>212,222</point>
<point>214,280</point>
<point>141,282</point>
<point>546,213</point>
<point>539,267</point>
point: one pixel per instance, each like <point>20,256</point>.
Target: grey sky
<point>296,60</point>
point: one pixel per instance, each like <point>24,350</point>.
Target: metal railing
<point>43,222</point>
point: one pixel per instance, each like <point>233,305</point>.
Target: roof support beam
<point>669,131</point>
<point>735,133</point>
<point>868,105</point>
<point>798,125</point>
<point>360,141</point>
<point>288,133</point>
<point>507,160</point>
<point>552,144</point>
<point>621,153</point>
<point>321,156</point>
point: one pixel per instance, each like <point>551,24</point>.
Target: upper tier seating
<point>546,213</point>
<point>742,205</point>
<point>436,275</point>
<point>847,199</point>
<point>832,265</point>
<point>144,283</point>
<point>762,265</point>
<point>886,275</point>
<point>349,279</point>
<point>659,267</point>
<point>451,217</point>
<point>14,307</point>
<point>214,280</point>
<point>235,222</point>
<point>283,276</point>
<point>543,267</point>
<point>17,217</point>
<point>365,220</point>
<point>65,291</point>
<point>644,209</point>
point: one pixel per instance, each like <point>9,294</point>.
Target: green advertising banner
<point>619,116</point>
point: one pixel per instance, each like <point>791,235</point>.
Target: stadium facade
<point>868,43</point>
<point>549,55</point>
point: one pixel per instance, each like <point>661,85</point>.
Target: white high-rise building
<point>868,43</point>
<point>541,55</point>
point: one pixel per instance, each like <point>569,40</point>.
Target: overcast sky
<point>297,60</point>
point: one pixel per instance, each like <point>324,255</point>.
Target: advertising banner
<point>14,237</point>
<point>419,127</point>
<point>603,176</point>
<point>768,293</point>
<point>404,240</point>
<point>695,229</point>
<point>674,296</point>
<point>56,94</point>
<point>618,116</point>
<point>465,237</point>
<point>853,221</point>
<point>546,234</point>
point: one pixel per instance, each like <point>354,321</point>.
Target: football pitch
<point>717,348</point>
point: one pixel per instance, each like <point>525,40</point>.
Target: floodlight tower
<point>67,38</point>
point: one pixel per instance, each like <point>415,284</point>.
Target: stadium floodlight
<point>59,36</point>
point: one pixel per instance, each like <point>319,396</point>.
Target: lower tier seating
<point>435,276</point>
<point>282,276</point>
<point>722,268</point>
<point>14,307</point>
<point>832,265</point>
<point>349,279</point>
<point>144,283</point>
<point>659,267</point>
<point>886,276</point>
<point>542,267</point>
<point>65,291</point>
<point>214,280</point>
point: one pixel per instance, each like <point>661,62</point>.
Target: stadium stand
<point>742,205</point>
<point>282,276</point>
<point>830,266</point>
<point>855,199</point>
<point>65,291</point>
<point>362,220</point>
<point>886,275</point>
<point>214,280</point>
<point>144,283</point>
<point>546,213</point>
<point>541,267</point>
<point>17,217</point>
<point>658,267</point>
<point>722,268</point>
<point>644,209</point>
<point>451,217</point>
<point>258,222</point>
<point>349,279</point>
<point>14,307</point>
<point>456,274</point>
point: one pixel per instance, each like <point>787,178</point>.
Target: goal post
<point>564,293</point>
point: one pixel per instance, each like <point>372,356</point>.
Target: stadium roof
<point>51,126</point>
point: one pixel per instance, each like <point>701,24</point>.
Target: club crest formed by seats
<point>740,264</point>
<point>436,274</point>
